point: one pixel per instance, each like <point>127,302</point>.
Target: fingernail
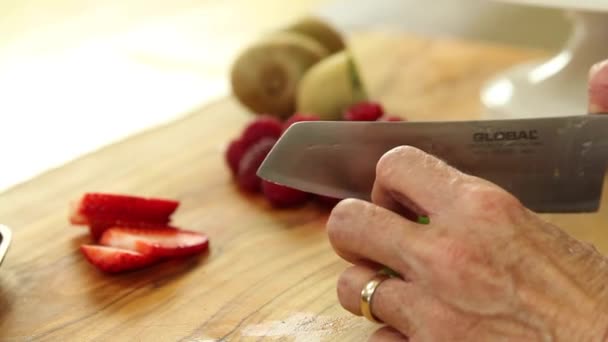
<point>598,88</point>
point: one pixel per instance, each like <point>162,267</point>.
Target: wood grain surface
<point>270,274</point>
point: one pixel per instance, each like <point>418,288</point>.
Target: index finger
<point>598,88</point>
<point>408,177</point>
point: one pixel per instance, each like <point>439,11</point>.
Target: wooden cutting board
<point>270,274</point>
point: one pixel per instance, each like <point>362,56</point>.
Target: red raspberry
<point>234,154</point>
<point>282,196</point>
<point>262,127</point>
<point>299,118</point>
<point>364,111</point>
<point>328,201</point>
<point>247,177</point>
<point>391,118</point>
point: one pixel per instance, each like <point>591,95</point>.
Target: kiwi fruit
<point>330,87</point>
<point>265,76</point>
<point>320,31</point>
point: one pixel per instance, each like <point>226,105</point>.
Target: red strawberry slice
<point>364,111</point>
<point>282,196</point>
<point>160,243</point>
<point>114,260</point>
<point>98,228</point>
<point>260,128</point>
<point>247,177</point>
<point>298,117</point>
<point>99,209</point>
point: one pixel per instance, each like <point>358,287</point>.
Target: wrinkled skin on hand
<point>485,268</point>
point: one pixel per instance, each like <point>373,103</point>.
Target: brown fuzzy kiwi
<point>265,76</point>
<point>330,87</point>
<point>319,30</point>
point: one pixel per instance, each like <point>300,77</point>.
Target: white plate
<point>588,5</point>
<point>557,86</point>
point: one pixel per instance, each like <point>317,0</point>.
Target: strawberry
<point>98,228</point>
<point>299,118</point>
<point>391,118</point>
<point>364,111</point>
<point>159,242</point>
<point>247,177</point>
<point>114,260</point>
<point>282,196</point>
<point>261,128</point>
<point>234,153</point>
<point>107,209</point>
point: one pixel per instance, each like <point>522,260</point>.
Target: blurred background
<point>76,75</point>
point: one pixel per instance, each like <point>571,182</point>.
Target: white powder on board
<point>303,327</point>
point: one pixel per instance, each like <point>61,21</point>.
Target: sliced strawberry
<point>160,243</point>
<point>114,260</point>
<point>282,196</point>
<point>98,228</point>
<point>97,208</point>
<point>299,118</point>
<point>261,128</point>
<point>247,177</point>
<point>234,154</point>
<point>364,111</point>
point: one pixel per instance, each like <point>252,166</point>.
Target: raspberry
<point>262,127</point>
<point>282,196</point>
<point>299,118</point>
<point>364,111</point>
<point>328,201</point>
<point>234,154</point>
<point>247,177</point>
<point>391,118</point>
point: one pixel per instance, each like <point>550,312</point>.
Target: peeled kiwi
<point>330,87</point>
<point>265,76</point>
<point>319,30</point>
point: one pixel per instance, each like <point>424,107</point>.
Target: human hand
<point>598,88</point>
<point>484,269</point>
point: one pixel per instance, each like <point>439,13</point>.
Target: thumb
<point>598,88</point>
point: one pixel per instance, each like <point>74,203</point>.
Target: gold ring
<point>367,294</point>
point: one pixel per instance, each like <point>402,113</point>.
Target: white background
<point>77,75</point>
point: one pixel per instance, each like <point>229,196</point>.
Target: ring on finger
<point>367,294</point>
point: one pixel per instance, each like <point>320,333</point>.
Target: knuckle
<point>344,204</point>
<point>455,252</point>
<point>338,222</point>
<point>488,200</point>
<point>342,288</point>
<point>387,163</point>
<point>453,259</point>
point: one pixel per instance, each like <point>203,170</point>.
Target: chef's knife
<point>550,164</point>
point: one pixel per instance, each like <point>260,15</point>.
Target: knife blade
<point>549,164</point>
